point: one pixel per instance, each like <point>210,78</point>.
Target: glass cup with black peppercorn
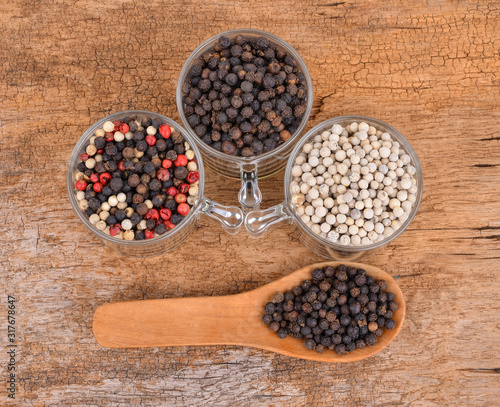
<point>245,96</point>
<point>167,221</point>
<point>259,221</point>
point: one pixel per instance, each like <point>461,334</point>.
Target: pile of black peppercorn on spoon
<point>340,309</point>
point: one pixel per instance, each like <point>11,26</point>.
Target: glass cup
<point>248,169</point>
<point>230,217</point>
<point>258,222</point>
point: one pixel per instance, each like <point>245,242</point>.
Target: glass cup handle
<point>258,222</point>
<point>250,196</point>
<point>230,217</point>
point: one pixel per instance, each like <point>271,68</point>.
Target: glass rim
<point>75,157</point>
<point>395,134</point>
<point>205,46</point>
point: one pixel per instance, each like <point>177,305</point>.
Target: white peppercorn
<point>128,235</point>
<point>94,218</point>
<point>84,204</point>
<point>90,163</point>
<point>91,149</point>
<point>108,127</point>
<point>119,136</point>
<point>127,224</point>
<point>342,228</point>
<point>357,180</point>
<point>112,200</point>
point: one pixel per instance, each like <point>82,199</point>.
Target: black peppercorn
<point>116,184</point>
<point>390,324</point>
<point>237,76</point>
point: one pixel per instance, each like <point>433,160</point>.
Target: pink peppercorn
<point>184,188</point>
<point>97,187</point>
<point>104,178</point>
<point>181,161</point>
<point>169,225</point>
<point>172,191</point>
<point>165,130</point>
<point>124,128</point>
<point>152,214</point>
<point>193,176</point>
<point>165,214</point>
<point>149,234</point>
<point>84,157</point>
<point>115,229</point>
<point>81,184</point>
<point>183,209</point>
<point>163,174</point>
<point>151,140</point>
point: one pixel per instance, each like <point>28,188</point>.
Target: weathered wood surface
<point>429,69</point>
<point>227,319</point>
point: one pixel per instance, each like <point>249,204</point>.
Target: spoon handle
<point>173,322</point>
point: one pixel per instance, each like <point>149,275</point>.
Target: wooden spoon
<point>231,320</point>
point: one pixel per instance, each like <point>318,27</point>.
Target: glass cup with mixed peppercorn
<point>136,180</point>
<point>245,96</point>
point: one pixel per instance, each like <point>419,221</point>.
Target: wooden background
<point>430,69</point>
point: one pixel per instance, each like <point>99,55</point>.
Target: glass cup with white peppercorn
<point>352,184</point>
<point>230,217</point>
<point>248,169</point>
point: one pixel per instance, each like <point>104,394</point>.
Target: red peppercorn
<point>84,157</point>
<point>151,140</point>
<point>166,163</point>
<point>115,229</point>
<point>152,214</point>
<point>117,125</point>
<point>163,174</point>
<point>100,151</point>
<point>169,225</point>
<point>124,128</point>
<point>81,184</point>
<point>94,177</point>
<point>105,177</point>
<point>149,234</point>
<point>180,198</point>
<point>165,214</point>
<point>184,188</point>
<point>183,209</point>
<point>121,166</point>
<point>97,187</point>
<point>193,176</point>
<point>165,130</point>
<point>181,161</point>
<point>109,136</point>
<point>172,191</point>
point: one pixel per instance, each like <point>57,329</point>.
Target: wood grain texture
<point>227,320</point>
<point>430,69</point>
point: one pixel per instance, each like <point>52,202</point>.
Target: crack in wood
<point>494,370</point>
<point>331,4</point>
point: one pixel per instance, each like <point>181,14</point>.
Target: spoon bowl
<point>226,320</point>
